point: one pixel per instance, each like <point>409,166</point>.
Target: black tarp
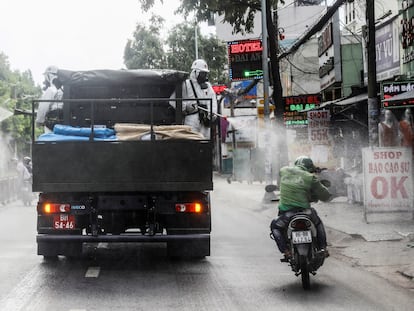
<point>108,84</point>
<point>106,77</point>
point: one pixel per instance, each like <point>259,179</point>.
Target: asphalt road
<point>243,273</point>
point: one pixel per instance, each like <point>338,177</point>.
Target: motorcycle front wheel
<point>304,272</point>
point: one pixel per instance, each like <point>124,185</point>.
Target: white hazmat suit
<point>195,87</point>
<point>51,93</point>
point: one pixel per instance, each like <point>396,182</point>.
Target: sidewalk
<point>384,246</point>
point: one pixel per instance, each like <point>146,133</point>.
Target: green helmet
<point>306,163</point>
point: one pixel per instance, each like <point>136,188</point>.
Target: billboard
<point>329,52</point>
<point>387,50</point>
<point>245,59</point>
<point>247,100</point>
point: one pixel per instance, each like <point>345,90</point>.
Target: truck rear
<point>148,186</point>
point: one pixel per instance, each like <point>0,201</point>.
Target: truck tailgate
<point>79,166</point>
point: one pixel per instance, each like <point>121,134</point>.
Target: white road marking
<point>92,272</point>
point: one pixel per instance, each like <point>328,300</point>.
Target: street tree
<point>16,91</point>
<point>181,51</point>
<point>215,51</point>
<point>145,50</point>
<point>181,47</point>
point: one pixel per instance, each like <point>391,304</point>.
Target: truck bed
<point>96,166</point>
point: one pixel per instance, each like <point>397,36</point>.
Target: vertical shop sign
<point>318,127</point>
<point>387,50</point>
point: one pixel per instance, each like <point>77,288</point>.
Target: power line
<point>301,70</point>
<point>315,28</point>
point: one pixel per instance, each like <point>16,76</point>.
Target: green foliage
<point>181,51</point>
<point>145,51</point>
<point>239,13</point>
<point>214,52</point>
<point>16,89</point>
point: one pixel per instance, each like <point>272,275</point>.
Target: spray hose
<point>215,113</point>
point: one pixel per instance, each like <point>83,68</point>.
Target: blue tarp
<point>70,133</point>
<point>100,132</point>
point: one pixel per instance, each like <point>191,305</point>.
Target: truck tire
<point>194,249</point>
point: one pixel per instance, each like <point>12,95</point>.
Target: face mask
<point>202,77</point>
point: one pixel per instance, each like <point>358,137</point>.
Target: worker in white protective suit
<point>198,87</point>
<point>52,91</point>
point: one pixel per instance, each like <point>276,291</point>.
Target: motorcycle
<point>305,257</point>
<point>301,237</point>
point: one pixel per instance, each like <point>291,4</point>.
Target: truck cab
<point>97,184</point>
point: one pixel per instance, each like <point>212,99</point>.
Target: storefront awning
<point>352,100</point>
<point>400,97</point>
<point>341,102</point>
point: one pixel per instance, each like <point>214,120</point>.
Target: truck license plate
<point>64,221</point>
<point>299,237</point>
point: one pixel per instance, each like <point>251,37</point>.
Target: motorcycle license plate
<point>64,221</point>
<point>299,237</point>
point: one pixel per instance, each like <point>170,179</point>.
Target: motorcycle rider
<point>298,188</point>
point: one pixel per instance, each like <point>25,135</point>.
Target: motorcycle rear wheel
<point>304,272</point>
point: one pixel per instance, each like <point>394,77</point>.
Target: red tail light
<point>300,224</point>
<point>54,208</point>
<point>188,207</point>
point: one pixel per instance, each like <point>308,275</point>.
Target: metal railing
<point>179,119</point>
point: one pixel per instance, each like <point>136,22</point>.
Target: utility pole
<point>196,40</point>
<point>373,111</point>
<point>268,165</point>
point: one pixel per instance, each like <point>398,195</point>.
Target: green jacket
<point>298,188</point>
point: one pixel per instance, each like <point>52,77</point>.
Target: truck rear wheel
<point>189,249</point>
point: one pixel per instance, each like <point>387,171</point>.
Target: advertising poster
<point>388,179</point>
